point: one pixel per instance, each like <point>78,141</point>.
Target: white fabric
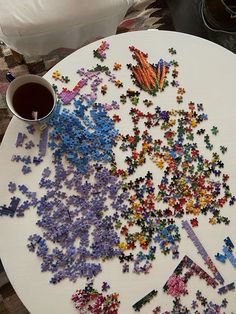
<point>36,27</point>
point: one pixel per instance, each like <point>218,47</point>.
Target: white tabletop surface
<point>207,72</point>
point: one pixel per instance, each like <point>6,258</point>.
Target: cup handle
<point>10,77</point>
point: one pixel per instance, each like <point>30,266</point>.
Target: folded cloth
<point>36,27</point>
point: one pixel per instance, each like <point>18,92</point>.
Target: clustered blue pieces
<point>67,220</point>
<point>27,161</point>
<point>81,137</point>
<point>228,252</point>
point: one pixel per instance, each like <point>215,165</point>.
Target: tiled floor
<point>9,301</point>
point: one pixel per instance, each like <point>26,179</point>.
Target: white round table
<point>207,72</point>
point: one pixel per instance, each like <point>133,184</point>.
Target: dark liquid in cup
<point>32,97</point>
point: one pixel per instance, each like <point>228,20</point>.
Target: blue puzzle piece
<point>226,288</point>
<point>222,290</point>
<point>221,258</point>
<point>229,243</point>
<point>229,255</point>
